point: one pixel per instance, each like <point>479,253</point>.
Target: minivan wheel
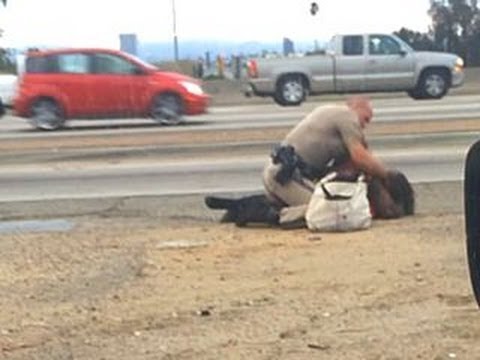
<point>167,109</point>
<point>45,114</point>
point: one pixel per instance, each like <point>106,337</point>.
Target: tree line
<point>455,28</point>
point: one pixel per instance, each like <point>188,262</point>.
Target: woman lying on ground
<point>391,198</point>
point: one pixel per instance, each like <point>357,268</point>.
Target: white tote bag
<point>339,205</point>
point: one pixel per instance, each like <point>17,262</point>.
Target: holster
<point>290,161</point>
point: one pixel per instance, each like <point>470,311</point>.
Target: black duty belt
<point>291,161</point>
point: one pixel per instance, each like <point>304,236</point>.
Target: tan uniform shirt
<point>323,135</point>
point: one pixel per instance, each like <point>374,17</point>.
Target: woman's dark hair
<point>401,191</point>
<point>391,198</point>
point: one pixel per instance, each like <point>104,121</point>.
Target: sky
<point>97,23</point>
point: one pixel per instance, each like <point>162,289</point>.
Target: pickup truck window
<point>383,45</point>
<point>353,45</point>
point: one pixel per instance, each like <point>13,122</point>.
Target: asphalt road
<point>232,174</point>
<point>97,159</point>
<point>389,110</point>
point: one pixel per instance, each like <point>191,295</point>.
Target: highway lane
<point>194,176</point>
<point>253,117</point>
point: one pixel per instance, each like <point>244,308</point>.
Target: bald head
<point>362,107</point>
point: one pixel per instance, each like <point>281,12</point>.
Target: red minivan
<point>99,83</point>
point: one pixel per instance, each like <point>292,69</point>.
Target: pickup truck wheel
<point>46,114</point>
<point>415,94</point>
<point>433,84</point>
<point>167,109</point>
<point>290,91</point>
<point>279,100</point>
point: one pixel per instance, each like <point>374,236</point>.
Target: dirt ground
<point>177,284</point>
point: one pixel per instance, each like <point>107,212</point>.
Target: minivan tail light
<point>252,69</point>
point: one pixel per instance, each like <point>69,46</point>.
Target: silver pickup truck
<point>353,64</point>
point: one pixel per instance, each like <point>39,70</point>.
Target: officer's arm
<point>364,160</point>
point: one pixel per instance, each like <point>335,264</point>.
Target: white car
<point>9,83</point>
<point>8,86</point>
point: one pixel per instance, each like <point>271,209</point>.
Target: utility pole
<point>175,39</point>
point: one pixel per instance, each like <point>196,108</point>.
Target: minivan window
<point>353,45</point>
<point>111,64</point>
<point>40,64</point>
<point>73,63</point>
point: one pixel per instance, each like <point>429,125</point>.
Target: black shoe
<point>249,209</point>
<point>214,202</point>
<point>218,203</point>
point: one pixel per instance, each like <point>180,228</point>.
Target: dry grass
<point>182,66</point>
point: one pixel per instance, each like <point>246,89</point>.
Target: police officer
<point>330,138</point>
